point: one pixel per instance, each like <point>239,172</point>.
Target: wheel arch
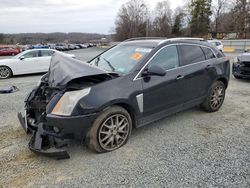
<point>126,106</point>
<point>224,81</point>
<point>130,110</point>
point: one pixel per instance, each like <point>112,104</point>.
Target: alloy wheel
<point>4,72</point>
<point>217,96</point>
<point>113,132</point>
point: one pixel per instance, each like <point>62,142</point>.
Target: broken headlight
<point>68,101</point>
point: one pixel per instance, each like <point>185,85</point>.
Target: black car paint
<point>183,87</point>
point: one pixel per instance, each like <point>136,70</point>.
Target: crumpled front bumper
<point>42,141</point>
<point>48,138</point>
<point>241,70</point>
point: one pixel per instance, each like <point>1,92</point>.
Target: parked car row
<point>66,47</point>
<point>11,51</point>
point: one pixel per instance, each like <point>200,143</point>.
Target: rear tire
<point>215,97</point>
<point>110,130</point>
<point>5,72</point>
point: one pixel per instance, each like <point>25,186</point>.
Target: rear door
<point>44,60</point>
<point>197,68</point>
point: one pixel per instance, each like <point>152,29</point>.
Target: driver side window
<point>167,58</point>
<point>31,54</point>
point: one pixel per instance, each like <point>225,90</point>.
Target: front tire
<point>215,97</point>
<point>110,130</point>
<point>5,72</point>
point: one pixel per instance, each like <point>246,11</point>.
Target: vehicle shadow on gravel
<point>165,126</point>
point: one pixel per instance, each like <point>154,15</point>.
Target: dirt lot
<point>189,149</point>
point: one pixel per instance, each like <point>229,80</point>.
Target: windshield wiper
<point>110,65</point>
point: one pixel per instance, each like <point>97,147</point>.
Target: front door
<point>28,63</point>
<point>163,93</point>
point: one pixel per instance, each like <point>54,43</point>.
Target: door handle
<point>208,66</point>
<point>179,77</point>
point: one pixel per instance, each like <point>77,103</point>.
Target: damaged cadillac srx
<point>132,84</point>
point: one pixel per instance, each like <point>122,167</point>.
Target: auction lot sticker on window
<point>136,56</point>
<point>139,52</point>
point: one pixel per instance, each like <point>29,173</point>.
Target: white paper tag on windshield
<point>143,50</point>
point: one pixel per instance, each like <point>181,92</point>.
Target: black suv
<point>130,85</point>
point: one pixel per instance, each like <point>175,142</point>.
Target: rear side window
<point>46,53</point>
<point>208,53</point>
<point>191,54</point>
<point>220,54</point>
<point>31,54</point>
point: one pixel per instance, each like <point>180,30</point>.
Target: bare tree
<point>241,17</point>
<point>162,25</point>
<point>131,20</point>
<point>181,20</point>
<point>219,7</point>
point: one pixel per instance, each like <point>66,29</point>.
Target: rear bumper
<point>50,138</point>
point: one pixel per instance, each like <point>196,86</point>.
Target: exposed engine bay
<point>63,76</point>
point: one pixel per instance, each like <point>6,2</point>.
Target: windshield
<point>120,59</point>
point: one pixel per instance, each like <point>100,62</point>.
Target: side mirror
<point>154,70</point>
<point>21,58</point>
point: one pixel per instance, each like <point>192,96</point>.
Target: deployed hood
<point>244,57</point>
<point>63,69</point>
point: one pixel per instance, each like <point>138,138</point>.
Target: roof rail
<point>182,38</point>
<point>143,38</point>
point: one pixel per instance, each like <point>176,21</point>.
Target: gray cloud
<point>97,16</point>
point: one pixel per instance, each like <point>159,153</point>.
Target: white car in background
<point>216,43</point>
<point>27,62</point>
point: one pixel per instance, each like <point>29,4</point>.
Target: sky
<point>87,16</point>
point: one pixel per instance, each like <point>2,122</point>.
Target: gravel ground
<point>190,149</point>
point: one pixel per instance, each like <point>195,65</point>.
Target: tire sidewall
<point>92,137</point>
<point>216,84</point>
<point>10,72</point>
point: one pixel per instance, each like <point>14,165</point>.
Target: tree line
<point>35,38</point>
<point>195,18</point>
